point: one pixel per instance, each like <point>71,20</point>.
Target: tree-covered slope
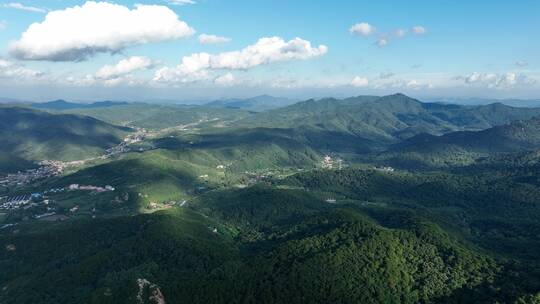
<point>493,208</point>
<point>292,248</point>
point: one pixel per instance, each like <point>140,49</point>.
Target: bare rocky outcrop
<point>149,293</point>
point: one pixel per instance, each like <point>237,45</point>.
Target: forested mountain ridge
<point>392,118</point>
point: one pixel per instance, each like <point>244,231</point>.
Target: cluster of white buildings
<point>385,169</point>
<point>97,189</point>
<point>329,163</point>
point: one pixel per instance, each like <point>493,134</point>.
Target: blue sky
<point>287,48</point>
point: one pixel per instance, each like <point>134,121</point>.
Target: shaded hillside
<point>36,135</point>
<point>466,148</point>
<point>519,136</point>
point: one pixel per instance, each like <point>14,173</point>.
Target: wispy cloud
<point>212,39</point>
<point>521,63</point>
<point>181,2</point>
<point>381,42</point>
<point>386,75</point>
<point>419,30</point>
<point>22,7</point>
<point>384,38</point>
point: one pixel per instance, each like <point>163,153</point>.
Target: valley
<point>410,201</point>
<point>269,152</point>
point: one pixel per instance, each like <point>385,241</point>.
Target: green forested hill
<point>464,147</point>
<point>36,135</point>
<point>514,137</point>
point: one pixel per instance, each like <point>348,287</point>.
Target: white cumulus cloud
<point>265,51</point>
<point>76,33</point>
<point>212,39</point>
<point>124,67</point>
<point>360,82</point>
<point>22,7</point>
<point>363,29</point>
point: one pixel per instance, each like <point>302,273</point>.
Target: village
<point>47,168</point>
<point>39,205</point>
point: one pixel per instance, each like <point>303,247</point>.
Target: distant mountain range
<point>525,103</point>
<point>60,105</point>
<point>255,104</point>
